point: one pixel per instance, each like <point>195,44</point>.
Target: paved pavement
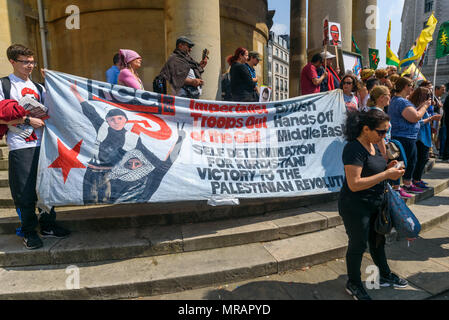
<point>424,263</point>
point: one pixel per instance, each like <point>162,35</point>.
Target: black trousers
<point>358,218</point>
<point>411,153</point>
<point>22,174</point>
<point>423,157</point>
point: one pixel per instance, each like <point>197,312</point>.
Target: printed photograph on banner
<point>265,94</point>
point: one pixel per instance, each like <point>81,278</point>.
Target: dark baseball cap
<point>184,39</point>
<point>254,54</point>
<point>115,112</point>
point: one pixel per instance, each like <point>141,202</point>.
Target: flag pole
<point>435,77</point>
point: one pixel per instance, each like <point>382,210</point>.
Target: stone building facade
<point>278,66</point>
<point>414,18</point>
<point>149,27</point>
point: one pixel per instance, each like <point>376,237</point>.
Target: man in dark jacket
<point>182,72</point>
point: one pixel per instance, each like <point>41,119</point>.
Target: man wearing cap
<point>253,60</point>
<point>182,72</point>
<point>310,81</point>
<point>332,82</point>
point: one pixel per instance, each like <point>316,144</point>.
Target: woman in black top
<point>242,84</point>
<point>362,194</point>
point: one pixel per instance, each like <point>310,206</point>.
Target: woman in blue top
<point>424,142</point>
<point>405,125</point>
<point>379,99</point>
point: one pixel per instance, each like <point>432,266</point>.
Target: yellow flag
<point>425,37</point>
<point>414,72</point>
<point>392,58</point>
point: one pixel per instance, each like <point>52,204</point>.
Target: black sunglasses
<point>381,132</point>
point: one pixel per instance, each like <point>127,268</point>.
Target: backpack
<point>6,86</point>
<point>160,85</point>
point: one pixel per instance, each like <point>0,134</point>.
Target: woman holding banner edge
<point>362,196</point>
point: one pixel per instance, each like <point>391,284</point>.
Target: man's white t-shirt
<point>19,89</point>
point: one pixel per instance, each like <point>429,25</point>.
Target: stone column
<point>199,20</point>
<point>339,11</point>
<point>298,44</point>
<point>364,19</point>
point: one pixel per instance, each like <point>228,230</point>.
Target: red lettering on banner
<point>213,107</point>
<point>215,136</point>
<point>163,133</point>
<point>228,122</point>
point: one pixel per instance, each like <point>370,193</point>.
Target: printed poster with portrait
<point>334,37</point>
<point>265,94</point>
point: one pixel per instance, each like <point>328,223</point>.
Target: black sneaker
<point>357,291</point>
<point>55,231</point>
<point>393,280</point>
<point>32,241</point>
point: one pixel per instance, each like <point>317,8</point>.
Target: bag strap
<point>40,88</point>
<point>6,86</point>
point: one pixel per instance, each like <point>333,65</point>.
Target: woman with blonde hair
<point>378,100</point>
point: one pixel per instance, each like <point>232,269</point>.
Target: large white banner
<point>107,143</point>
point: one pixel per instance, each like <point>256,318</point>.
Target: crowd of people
<point>385,112</point>
<point>415,108</point>
<point>383,108</point>
<point>184,74</point>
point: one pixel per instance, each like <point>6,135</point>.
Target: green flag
<point>355,46</point>
<point>373,58</point>
<point>443,41</point>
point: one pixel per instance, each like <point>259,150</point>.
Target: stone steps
<point>109,217</point>
<point>4,151</point>
<point>159,260</point>
<point>171,273</point>
<point>159,240</point>
<point>153,240</point>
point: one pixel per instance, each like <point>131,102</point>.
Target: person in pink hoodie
<point>130,61</point>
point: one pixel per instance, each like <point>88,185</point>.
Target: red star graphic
<point>67,159</point>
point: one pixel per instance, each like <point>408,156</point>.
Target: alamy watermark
<point>372,281</point>
<point>372,22</point>
<point>73,20</point>
<point>73,280</point>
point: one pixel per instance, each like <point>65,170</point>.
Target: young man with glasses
<point>24,152</point>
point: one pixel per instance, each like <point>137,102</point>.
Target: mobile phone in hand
<point>400,165</point>
<point>205,54</point>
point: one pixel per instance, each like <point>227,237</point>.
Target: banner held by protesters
<point>107,143</point>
